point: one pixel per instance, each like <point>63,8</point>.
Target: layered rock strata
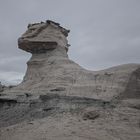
<point>56,91</point>
<point>51,71</point>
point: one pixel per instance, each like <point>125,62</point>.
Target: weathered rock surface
<point>41,37</point>
<point>58,99</point>
<point>1,87</point>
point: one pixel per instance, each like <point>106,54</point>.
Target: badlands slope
<point>60,100</point>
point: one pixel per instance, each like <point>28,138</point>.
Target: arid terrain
<point>60,100</point>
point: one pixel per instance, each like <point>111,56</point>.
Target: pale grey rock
<point>57,95</point>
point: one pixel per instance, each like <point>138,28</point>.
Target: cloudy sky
<point>103,33</point>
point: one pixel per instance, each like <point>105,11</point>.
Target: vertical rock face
<point>48,43</point>
<point>49,66</point>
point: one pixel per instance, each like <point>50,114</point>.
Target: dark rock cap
<point>43,36</point>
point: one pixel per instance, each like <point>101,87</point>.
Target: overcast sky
<point>103,33</point>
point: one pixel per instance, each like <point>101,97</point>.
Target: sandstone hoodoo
<point>47,69</point>
<point>58,99</point>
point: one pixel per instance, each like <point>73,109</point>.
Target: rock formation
<point>56,93</point>
<point>1,87</point>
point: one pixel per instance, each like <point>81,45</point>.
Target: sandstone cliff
<point>58,99</point>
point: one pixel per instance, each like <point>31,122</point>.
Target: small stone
<point>90,115</point>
